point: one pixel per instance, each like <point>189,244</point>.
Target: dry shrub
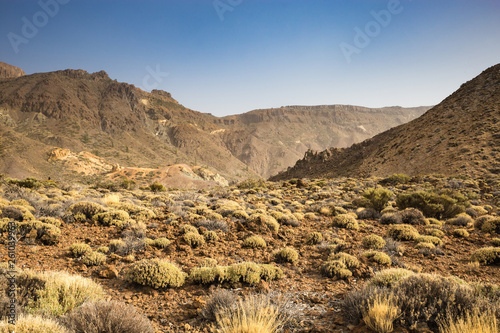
<point>474,322</point>
<point>373,242</point>
<point>430,239</point>
<point>403,232</point>
<point>420,298</point>
<point>412,216</point>
<point>381,313</point>
<point>429,298</point>
<point>314,238</point>
<point>155,273</point>
<point>346,221</point>
<point>118,246</point>
<point>487,255</point>
<point>32,231</point>
<point>54,293</point>
<point>211,236</point>
<point>367,214</point>
<point>107,317</point>
<point>207,274</point>
<point>79,249</point>
<point>287,255</point>
<point>32,324</point>
<point>194,239</point>
<point>350,261</point>
<point>161,242</point>
<point>461,220</point>
<point>254,242</point>
<point>379,257</point>
<point>114,217</point>
<point>213,225</point>
<point>491,226</point>
<point>265,220</point>
<point>255,314</point>
<point>247,272</point>
<point>336,268</point>
<point>93,258</point>
<point>391,218</point>
<point>85,210</point>
<point>389,277</point>
<point>219,299</point>
<point>478,223</point>
<point>461,233</point>
<point>353,304</point>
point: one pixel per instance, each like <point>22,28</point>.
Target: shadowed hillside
<point>461,135</point>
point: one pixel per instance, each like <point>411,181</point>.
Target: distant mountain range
<point>126,126</point>
<point>460,136</point>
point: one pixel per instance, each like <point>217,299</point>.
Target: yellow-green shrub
<point>61,292</point>
<point>373,242</point>
<point>79,249</point>
<point>254,242</point>
<point>115,217</point>
<point>92,258</point>
<point>350,261</point>
<point>155,273</point>
<point>287,255</point>
<point>379,257</point>
<point>403,232</point>
<point>211,236</point>
<point>314,238</point>
<point>346,221</point>
<point>430,239</point>
<point>335,268</point>
<point>194,239</point>
<point>389,277</point>
<point>487,255</point>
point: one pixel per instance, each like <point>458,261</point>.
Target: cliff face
<point>461,135</point>
<point>8,71</point>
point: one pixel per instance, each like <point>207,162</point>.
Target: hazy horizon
<point>232,56</point>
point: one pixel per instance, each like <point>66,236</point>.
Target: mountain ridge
<point>458,136</point>
<point>84,111</point>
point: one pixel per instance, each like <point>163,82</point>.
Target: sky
<point>231,56</point>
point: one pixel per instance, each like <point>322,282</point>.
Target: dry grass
<point>471,323</point>
<point>381,314</point>
<point>32,324</point>
<point>253,315</point>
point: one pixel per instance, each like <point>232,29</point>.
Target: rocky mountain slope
<point>122,124</point>
<point>461,135</point>
<point>8,71</point>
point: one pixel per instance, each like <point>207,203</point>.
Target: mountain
<point>8,71</point>
<point>461,135</point>
<point>271,140</point>
<point>126,126</point>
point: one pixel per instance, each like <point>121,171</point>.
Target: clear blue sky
<point>262,53</point>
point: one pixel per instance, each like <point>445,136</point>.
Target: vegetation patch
<point>346,221</point>
<point>155,273</point>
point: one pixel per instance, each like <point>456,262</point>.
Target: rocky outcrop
<point>10,72</point>
<point>83,163</point>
